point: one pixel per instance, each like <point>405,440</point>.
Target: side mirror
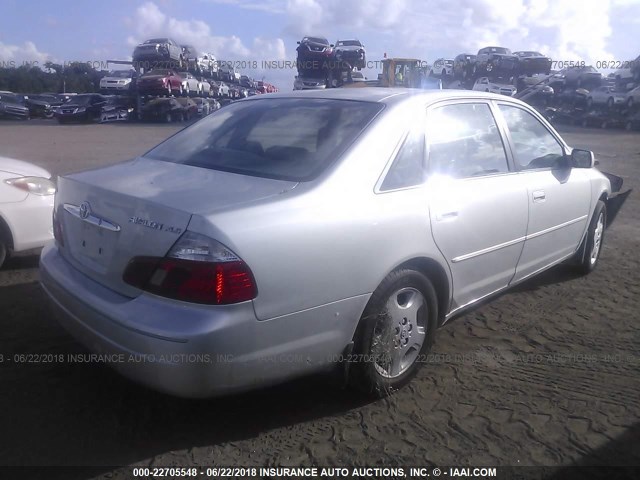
<point>332,45</point>
<point>582,158</point>
<point>298,43</point>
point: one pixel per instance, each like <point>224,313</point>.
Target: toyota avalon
<point>294,233</point>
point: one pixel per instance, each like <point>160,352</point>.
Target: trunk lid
<point>141,208</point>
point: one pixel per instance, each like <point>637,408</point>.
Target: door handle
<point>539,196</point>
<point>447,215</point>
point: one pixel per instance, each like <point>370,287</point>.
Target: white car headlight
<point>36,185</point>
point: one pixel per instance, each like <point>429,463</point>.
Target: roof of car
<point>387,96</point>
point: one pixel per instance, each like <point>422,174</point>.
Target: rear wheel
<point>589,252</point>
<point>3,252</point>
<point>396,329</point>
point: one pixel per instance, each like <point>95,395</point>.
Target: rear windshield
<point>286,138</point>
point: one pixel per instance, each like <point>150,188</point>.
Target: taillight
<point>57,229</point>
<point>197,269</point>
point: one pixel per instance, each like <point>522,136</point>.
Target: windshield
<point>156,40</point>
<point>286,139</point>
<point>120,74</point>
<point>81,99</point>
<point>317,40</point>
<point>498,50</point>
<point>10,99</point>
<point>349,43</point>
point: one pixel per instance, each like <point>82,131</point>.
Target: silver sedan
<point>324,230</point>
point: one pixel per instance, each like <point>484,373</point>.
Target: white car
<point>117,80</point>
<point>205,88</point>
<point>483,84</point>
<point>442,67</point>
<point>26,206</point>
<point>208,64</point>
<point>190,84</point>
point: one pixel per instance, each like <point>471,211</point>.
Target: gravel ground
<point>546,374</point>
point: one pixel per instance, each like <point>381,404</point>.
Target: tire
<point>591,247</point>
<point>383,339</point>
<point>3,253</point>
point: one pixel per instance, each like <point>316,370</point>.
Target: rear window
<point>286,139</point>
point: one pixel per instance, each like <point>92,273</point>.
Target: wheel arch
<point>5,233</point>
<point>433,270</point>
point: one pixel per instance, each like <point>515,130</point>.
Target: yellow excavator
<point>397,72</point>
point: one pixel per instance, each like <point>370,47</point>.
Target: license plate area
<point>92,246</point>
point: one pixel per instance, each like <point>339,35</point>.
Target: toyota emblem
<point>85,210</point>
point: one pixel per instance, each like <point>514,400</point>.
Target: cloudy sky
<point>267,30</point>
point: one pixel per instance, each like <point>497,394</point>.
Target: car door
<point>558,196</point>
<point>477,203</point>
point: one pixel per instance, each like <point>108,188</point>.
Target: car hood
<point>23,169</point>
<point>153,77</point>
<point>41,103</point>
<point>115,78</point>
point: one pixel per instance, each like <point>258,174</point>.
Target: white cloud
<point>149,21</point>
<point>27,52</point>
<point>565,29</point>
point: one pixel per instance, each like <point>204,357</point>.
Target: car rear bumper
<point>194,350</point>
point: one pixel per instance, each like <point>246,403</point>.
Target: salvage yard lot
<point>546,374</point>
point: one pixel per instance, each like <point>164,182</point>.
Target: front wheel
<point>589,252</point>
<point>396,330</point>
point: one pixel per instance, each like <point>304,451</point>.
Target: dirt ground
<point>546,374</point>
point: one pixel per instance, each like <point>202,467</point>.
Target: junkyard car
<point>497,61</point>
<point>351,52</point>
<point>530,63</point>
<point>86,107</point>
<point>37,107</point>
<point>163,109</point>
<point>442,67</point>
<point>204,107</point>
<point>190,84</point>
<point>606,95</point>
<point>311,231</point>
<point>155,50</point>
<point>117,108</point>
<point>463,66</point>
<point>205,87</point>
<point>26,205</point>
<point>483,84</point>
<point>11,107</point>
<point>160,81</point>
<point>118,81</point>
<point>633,97</point>
<point>581,76</point>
